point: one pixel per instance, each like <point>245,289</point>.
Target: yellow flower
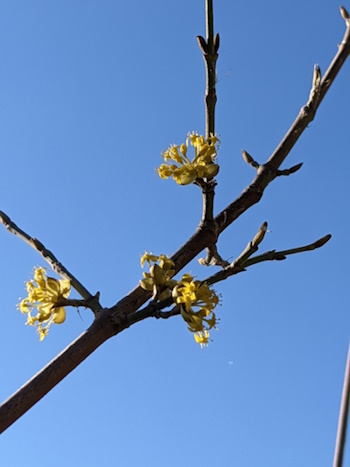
<point>202,338</point>
<point>197,302</point>
<point>45,294</point>
<point>182,169</point>
<point>159,278</point>
<point>194,299</point>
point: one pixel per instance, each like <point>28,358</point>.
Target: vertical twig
<point>343,417</point>
<point>209,47</point>
<point>210,60</point>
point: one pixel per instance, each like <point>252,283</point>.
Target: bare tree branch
<point>42,383</point>
<point>112,321</point>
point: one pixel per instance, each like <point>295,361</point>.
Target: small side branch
<point>245,259</point>
<point>253,163</point>
<point>52,260</point>
<point>154,310</point>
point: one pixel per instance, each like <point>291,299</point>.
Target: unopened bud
<point>260,235</point>
<point>344,13</point>
<point>317,76</point>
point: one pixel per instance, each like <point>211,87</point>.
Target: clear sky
<point>90,93</point>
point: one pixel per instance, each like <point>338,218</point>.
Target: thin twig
<point>245,260</point>
<point>209,48</point>
<point>210,58</point>
<point>154,312</point>
<point>343,417</point>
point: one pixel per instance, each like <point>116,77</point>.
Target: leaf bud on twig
<point>345,14</point>
<point>249,160</point>
<point>203,45</point>
<point>216,42</point>
<point>260,235</point>
<point>317,76</point>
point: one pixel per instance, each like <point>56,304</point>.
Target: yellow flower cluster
<point>182,169</point>
<point>159,278</point>
<point>195,300</point>
<point>44,294</point>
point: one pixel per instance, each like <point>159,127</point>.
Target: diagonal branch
<point>47,378</point>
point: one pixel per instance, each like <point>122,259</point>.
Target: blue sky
<point>91,93</point>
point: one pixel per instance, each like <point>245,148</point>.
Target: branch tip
<point>260,235</point>
<point>316,76</point>
<point>322,241</point>
<point>316,86</point>
<point>345,14</point>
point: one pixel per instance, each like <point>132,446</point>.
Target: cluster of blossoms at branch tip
<point>195,300</point>
<point>45,294</point>
<point>182,169</point>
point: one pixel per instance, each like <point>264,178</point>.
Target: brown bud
<point>316,76</point>
<point>249,160</point>
<point>216,42</point>
<point>203,45</point>
<point>344,13</point>
<point>260,235</point>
